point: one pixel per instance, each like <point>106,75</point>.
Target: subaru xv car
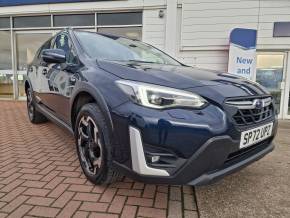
<point>136,111</point>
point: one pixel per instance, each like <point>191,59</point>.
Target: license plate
<point>255,135</point>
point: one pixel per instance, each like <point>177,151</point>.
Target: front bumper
<point>227,168</point>
<point>210,160</point>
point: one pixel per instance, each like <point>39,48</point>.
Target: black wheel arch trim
<point>96,94</point>
<point>31,87</point>
<point>29,83</point>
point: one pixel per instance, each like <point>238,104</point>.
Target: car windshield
<point>114,48</point>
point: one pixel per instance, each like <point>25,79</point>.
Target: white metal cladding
<point>153,28</point>
<point>207,24</point>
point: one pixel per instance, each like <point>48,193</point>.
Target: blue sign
<point>35,2</point>
<point>245,38</point>
<point>242,53</point>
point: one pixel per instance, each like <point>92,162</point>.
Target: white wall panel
<point>207,24</point>
<point>200,5</point>
<point>274,3</point>
<point>270,12</point>
<point>215,60</point>
<point>153,28</point>
<point>220,13</point>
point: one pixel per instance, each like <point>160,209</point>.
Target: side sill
<point>53,118</point>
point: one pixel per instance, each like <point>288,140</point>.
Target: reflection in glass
<point>6,75</point>
<point>130,32</point>
<point>20,80</point>
<point>6,85</point>
<point>124,18</point>
<point>112,48</point>
<point>270,74</point>
<point>32,21</point>
<point>26,47</point>
<point>74,20</point>
<point>4,22</point>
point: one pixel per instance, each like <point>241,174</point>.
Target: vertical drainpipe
<point>171,27</point>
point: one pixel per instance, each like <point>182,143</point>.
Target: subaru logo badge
<point>258,103</point>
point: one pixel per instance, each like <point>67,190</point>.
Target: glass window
<point>114,48</point>
<point>128,18</point>
<point>27,45</point>
<point>32,21</point>
<point>74,20</point>
<point>130,32</point>
<point>270,74</point>
<point>4,22</point>
<point>281,29</point>
<point>5,50</point>
<point>6,75</point>
<point>63,42</point>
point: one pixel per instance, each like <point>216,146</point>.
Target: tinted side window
<point>63,42</point>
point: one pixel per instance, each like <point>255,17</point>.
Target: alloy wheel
<point>90,145</point>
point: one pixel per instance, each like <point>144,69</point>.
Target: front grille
<point>252,116</point>
<point>247,113</point>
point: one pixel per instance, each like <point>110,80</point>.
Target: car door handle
<point>44,71</point>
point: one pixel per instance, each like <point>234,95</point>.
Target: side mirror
<point>53,56</point>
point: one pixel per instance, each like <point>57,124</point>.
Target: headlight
<point>160,97</point>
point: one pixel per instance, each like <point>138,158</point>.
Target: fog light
<point>162,158</point>
<point>155,159</point>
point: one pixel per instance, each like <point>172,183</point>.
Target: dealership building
<point>196,32</point>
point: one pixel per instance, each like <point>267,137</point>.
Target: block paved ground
<point>259,190</point>
<point>40,176</point>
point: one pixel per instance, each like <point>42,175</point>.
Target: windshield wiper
<point>140,61</point>
<point>133,60</point>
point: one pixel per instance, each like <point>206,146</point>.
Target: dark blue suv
<point>136,111</point>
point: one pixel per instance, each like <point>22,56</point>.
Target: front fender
<point>82,86</point>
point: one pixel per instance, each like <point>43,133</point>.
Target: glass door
<point>6,72</point>
<point>26,45</point>
<point>270,74</point>
<point>286,113</point>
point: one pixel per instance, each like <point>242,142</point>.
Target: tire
<point>33,115</point>
<point>93,142</point>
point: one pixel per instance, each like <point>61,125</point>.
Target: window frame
<point>95,26</point>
